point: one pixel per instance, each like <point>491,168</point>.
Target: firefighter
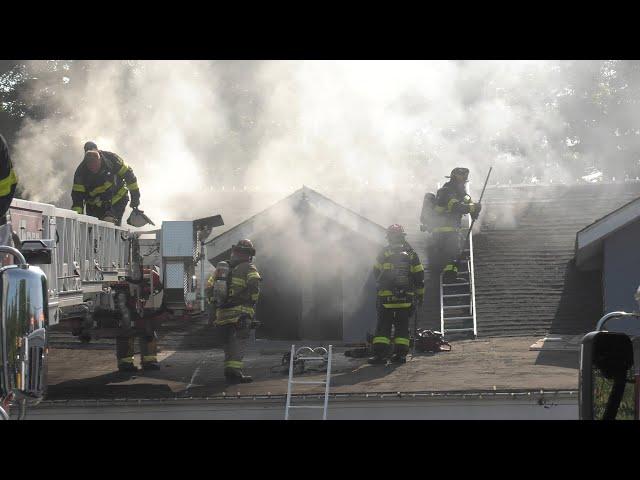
<point>400,281</point>
<point>451,203</point>
<point>147,341</point>
<point>103,182</point>
<point>211,307</point>
<point>8,180</point>
<point>235,317</point>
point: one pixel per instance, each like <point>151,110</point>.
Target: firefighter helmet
<point>90,146</point>
<point>459,171</point>
<point>245,247</point>
<point>394,230</point>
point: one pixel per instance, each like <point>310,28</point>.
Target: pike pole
<point>464,245</point>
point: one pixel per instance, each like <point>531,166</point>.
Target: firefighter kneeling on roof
<point>400,279</point>
<point>236,290</point>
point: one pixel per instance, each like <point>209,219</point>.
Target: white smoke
<point>192,129</point>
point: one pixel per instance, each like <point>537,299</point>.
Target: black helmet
<point>90,146</point>
<point>245,247</point>
<point>464,172</point>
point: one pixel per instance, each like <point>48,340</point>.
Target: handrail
<point>609,316</point>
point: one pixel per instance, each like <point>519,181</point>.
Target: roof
<point>590,240</point>
<point>288,206</point>
<point>192,363</point>
<point>524,247</point>
<point>526,277</point>
<point>526,287</point>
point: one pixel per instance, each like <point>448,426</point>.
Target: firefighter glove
<point>477,207</point>
<point>109,218</point>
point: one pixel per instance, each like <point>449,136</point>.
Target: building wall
<point>317,280</point>
<point>621,276</point>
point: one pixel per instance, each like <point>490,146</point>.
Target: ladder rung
<point>453,307</point>
<point>311,358</point>
<point>308,382</point>
<point>306,406</point>
<point>462,284</point>
<point>457,318</point>
<point>456,295</point>
<point>458,330</point>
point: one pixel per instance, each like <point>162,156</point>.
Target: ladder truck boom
<point>95,278</point>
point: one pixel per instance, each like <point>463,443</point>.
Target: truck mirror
<point>607,377</point>
<point>37,252</point>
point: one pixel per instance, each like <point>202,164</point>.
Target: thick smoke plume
<point>195,130</point>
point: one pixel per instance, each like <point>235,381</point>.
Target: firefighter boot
<point>377,360</point>
<point>150,366</point>
<point>149,352</point>
<point>124,353</point>
<point>234,376</point>
<point>127,367</point>
<point>449,276</point>
<point>397,358</point>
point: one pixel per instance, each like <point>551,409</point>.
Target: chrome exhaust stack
<point>24,316</point>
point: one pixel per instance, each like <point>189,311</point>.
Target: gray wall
<point>621,276</point>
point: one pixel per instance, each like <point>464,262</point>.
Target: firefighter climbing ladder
<point>297,354</point>
<point>458,300</point>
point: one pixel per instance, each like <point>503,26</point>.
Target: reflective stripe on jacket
<point>108,186</point>
<point>8,178</point>
<point>244,291</point>
<point>416,277</point>
<point>450,205</point>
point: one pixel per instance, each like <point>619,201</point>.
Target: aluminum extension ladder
<point>458,300</point>
<point>295,353</point>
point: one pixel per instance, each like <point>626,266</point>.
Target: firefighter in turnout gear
<point>8,180</point>
<point>400,281</point>
<point>209,300</point>
<point>235,316</point>
<point>103,182</point>
<point>147,340</point>
<point>450,204</point>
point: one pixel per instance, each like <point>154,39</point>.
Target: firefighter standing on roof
<point>8,183</point>
<point>125,345</point>
<point>400,280</point>
<point>103,182</point>
<point>235,316</point>
<point>8,180</point>
<point>451,203</point>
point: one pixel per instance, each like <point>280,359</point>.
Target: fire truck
<point>98,279</point>
<point>609,384</point>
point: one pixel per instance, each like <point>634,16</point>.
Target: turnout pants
<point>382,342</point>
<point>235,345</point>
<point>125,349</point>
<point>444,250</point>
